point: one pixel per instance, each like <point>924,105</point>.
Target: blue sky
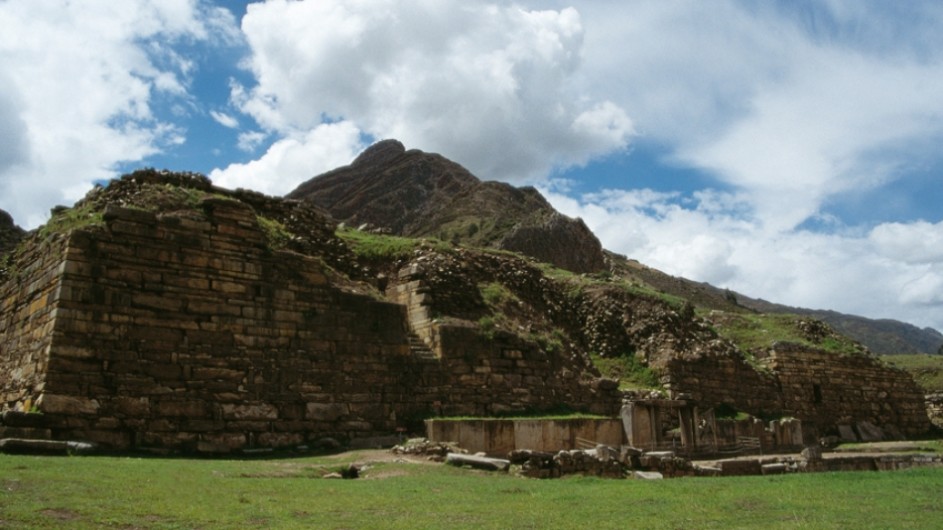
<point>788,150</point>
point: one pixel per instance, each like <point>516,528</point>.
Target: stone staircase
<point>419,349</point>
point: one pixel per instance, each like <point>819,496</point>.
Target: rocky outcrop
<point>417,194</point>
<point>10,234</point>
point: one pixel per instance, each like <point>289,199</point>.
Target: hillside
<point>882,336</point>
<point>927,370</point>
<point>417,194</point>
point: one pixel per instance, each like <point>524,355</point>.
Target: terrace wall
<point>187,332</point>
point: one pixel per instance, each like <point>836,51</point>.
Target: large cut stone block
<point>56,404</point>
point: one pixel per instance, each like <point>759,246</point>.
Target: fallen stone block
<point>868,432</point>
<point>706,471</point>
<point>847,434</point>
<point>812,453</point>
<point>521,456</point>
<point>740,467</point>
<point>773,469</point>
<point>647,475</point>
<point>478,462</point>
<point>47,447</point>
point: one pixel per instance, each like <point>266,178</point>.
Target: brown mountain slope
<point>416,194</point>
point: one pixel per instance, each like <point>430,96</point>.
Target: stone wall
<point>714,380</point>
<point>499,437</point>
<point>934,404</point>
<point>186,331</point>
<point>828,389</point>
<point>28,298</point>
<point>823,389</point>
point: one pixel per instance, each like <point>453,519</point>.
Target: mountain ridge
<point>883,336</point>
<point>416,194</point>
<point>435,197</point>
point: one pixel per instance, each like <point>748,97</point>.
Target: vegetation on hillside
<point>66,219</point>
<point>580,282</point>
<point>631,373</point>
<point>381,247</point>
<point>755,333</point>
<point>927,370</point>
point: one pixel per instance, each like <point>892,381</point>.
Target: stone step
<point>32,433</point>
<point>13,418</point>
<point>418,348</point>
<point>55,447</point>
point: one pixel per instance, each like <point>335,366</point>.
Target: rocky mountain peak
<point>379,154</point>
<point>416,194</point>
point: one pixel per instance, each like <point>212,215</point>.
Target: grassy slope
<point>43,492</point>
<point>927,370</point>
<point>755,332</point>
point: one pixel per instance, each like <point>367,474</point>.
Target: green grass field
<point>125,493</point>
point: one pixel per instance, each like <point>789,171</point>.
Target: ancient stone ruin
<point>165,314</point>
<point>184,330</point>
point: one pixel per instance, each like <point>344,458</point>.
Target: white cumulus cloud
<point>83,75</point>
<point>488,85</point>
<point>293,160</point>
<point>794,103</point>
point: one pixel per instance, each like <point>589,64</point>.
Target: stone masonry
<point>827,389</point>
<point>193,328</point>
<point>186,331</point>
<point>824,389</point>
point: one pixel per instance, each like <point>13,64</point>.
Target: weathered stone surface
<point>478,462</point>
<point>501,436</point>
<point>185,330</point>
<point>934,404</point>
<point>869,432</point>
<point>418,194</point>
<point>740,467</point>
<point>67,405</point>
<point>812,453</point>
<point>847,434</point>
<point>820,388</point>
